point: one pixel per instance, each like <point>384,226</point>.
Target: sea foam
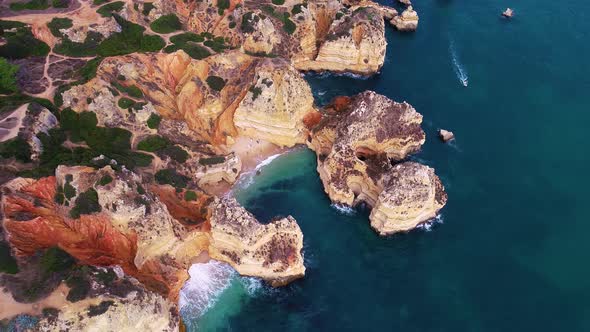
<point>427,226</point>
<point>207,281</point>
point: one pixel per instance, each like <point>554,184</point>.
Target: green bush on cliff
<point>106,179</point>
<point>17,148</point>
<point>131,39</point>
<point>99,2</point>
<point>108,9</point>
<point>278,2</point>
<point>212,160</point>
<point>153,143</point>
<point>175,153</point>
<point>7,77</point>
<point>30,5</point>
<point>215,82</point>
<point>166,24</point>
<point>87,48</point>
<point>86,203</point>
<point>125,103</point>
<point>131,90</point>
<point>171,177</point>
<point>60,3</point>
<point>56,260</point>
<point>154,121</point>
<point>190,195</point>
<point>147,8</point>
<point>21,43</point>
<point>222,5</point>
<point>58,23</point>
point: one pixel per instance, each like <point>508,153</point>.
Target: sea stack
<point>508,13</point>
<point>446,135</point>
<point>407,21</point>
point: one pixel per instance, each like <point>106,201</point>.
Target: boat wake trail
<point>457,67</point>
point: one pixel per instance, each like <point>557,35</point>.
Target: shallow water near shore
<point>510,252</point>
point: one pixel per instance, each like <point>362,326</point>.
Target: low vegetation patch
<point>58,23</point>
<point>108,9</point>
<point>215,82</point>
<point>131,39</point>
<point>212,160</point>
<point>166,24</point>
<point>125,102</point>
<point>7,77</point>
<point>30,5</point>
<point>86,203</point>
<point>20,43</point>
<point>154,121</point>
<point>171,177</point>
<point>190,195</point>
<point>153,143</point>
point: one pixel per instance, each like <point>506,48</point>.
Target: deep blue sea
<point>511,249</point>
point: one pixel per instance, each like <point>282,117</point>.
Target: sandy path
<point>10,125</point>
<point>10,308</point>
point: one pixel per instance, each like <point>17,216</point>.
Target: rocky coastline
<point>114,160</point>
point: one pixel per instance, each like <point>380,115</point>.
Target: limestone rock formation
<point>272,251</point>
<point>269,98</point>
<point>355,43</point>
<point>412,194</point>
<point>407,21</point>
<point>26,123</point>
<point>358,142</point>
<point>106,217</point>
<point>445,135</point>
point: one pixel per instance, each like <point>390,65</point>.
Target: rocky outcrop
<point>272,251</point>
<point>357,143</point>
<point>106,217</point>
<point>407,21</point>
<point>412,194</point>
<point>26,123</point>
<point>446,135</point>
<point>355,43</point>
<point>268,97</point>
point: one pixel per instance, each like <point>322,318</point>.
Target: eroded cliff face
<point>219,97</point>
<point>355,42</point>
<point>103,217</point>
<point>357,143</point>
<point>272,250</point>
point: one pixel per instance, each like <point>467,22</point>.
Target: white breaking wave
<point>427,226</point>
<point>344,209</point>
<point>457,67</point>
<point>207,281</point>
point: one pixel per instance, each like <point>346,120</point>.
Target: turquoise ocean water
<point>512,250</point>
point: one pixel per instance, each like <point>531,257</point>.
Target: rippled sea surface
<point>511,250</point>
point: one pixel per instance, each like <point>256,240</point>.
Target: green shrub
<point>175,153</point>
<point>289,26</point>
<point>108,9</point>
<point>17,148</point>
<point>278,2</point>
<point>58,23</point>
<point>85,49</point>
<point>248,21</point>
<point>88,71</point>
<point>166,24</point>
<point>60,3</point>
<point>222,5</point>
<point>131,39</point>
<point>147,8</point>
<point>215,82</point>
<point>298,8</point>
<point>21,43</point>
<point>190,195</point>
<point>212,160</point>
<point>183,38</point>
<point>196,51</point>
<point>131,90</point>
<point>169,176</point>
<point>7,77</point>
<point>55,260</point>
<point>105,179</point>
<point>256,91</point>
<point>7,261</point>
<point>232,24</point>
<point>30,5</point>
<point>154,121</point>
<point>153,143</point>
<point>86,203</point>
<point>125,102</point>
<point>69,191</point>
<point>99,2</point>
